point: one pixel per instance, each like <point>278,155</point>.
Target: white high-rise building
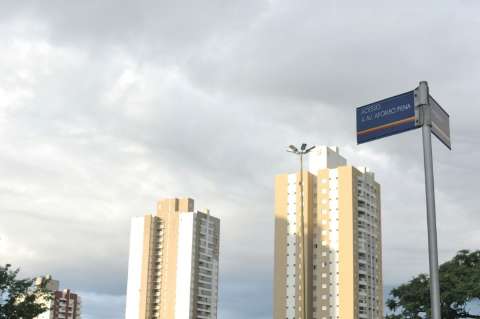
<point>342,242</point>
<point>173,263</point>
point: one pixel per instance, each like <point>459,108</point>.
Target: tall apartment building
<point>173,263</point>
<point>63,304</point>
<point>343,251</point>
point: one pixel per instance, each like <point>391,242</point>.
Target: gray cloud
<point>102,305</point>
<point>104,108</point>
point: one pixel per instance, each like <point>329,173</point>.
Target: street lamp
<point>301,152</point>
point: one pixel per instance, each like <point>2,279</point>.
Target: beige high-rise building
<point>342,223</point>
<point>173,263</point>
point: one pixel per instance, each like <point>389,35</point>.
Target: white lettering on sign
<point>370,109</point>
<point>368,116</point>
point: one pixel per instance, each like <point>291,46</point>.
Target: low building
<point>63,304</point>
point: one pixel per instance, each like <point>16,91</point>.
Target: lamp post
<point>301,152</point>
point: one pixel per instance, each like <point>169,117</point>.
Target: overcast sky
<point>107,106</point>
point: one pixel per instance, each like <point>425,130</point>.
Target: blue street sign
<point>386,117</point>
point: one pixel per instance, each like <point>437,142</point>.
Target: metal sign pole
<point>431,215</point>
<point>396,115</point>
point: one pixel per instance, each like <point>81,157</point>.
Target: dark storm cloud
<point>154,28</point>
<point>345,56</point>
<point>107,106</point>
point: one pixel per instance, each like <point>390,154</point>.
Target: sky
<point>108,106</point>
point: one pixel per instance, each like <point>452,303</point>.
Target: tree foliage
<point>459,288</point>
<point>19,298</point>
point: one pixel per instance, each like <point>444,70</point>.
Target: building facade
<point>173,263</point>
<point>63,304</point>
<point>342,241</point>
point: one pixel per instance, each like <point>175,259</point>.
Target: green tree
<point>20,298</point>
<point>459,288</point>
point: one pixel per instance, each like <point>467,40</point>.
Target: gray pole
<point>304,287</point>
<point>431,218</point>
<point>304,314</point>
